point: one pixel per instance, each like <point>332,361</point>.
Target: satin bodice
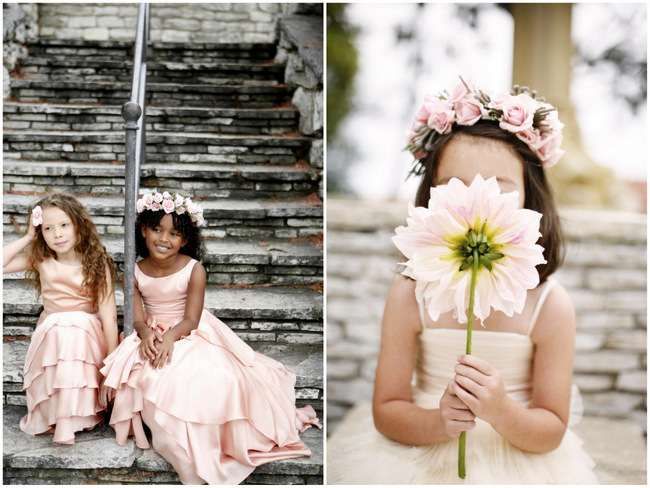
<point>510,353</point>
<point>164,297</point>
<point>61,288</point>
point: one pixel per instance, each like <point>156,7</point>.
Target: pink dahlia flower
<point>460,223</point>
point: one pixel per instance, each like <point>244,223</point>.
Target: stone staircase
<point>221,128</point>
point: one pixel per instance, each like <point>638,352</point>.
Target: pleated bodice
<point>510,353</point>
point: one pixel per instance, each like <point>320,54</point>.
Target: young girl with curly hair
<point>67,264</point>
<point>216,409</point>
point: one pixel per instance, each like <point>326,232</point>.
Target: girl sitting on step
<point>67,264</point>
<point>216,408</point>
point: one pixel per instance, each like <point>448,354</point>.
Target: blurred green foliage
<point>341,66</point>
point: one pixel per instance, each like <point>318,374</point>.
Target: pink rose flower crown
<point>519,112</point>
<point>168,203</point>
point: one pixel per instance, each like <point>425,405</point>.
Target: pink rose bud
<point>468,111</point>
<point>37,216</point>
<point>168,206</point>
<point>518,113</point>
<point>442,117</point>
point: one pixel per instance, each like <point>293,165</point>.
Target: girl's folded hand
<point>148,349</point>
<point>456,416</point>
<point>165,351</point>
<point>480,386</point>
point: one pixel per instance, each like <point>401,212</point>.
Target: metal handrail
<point>133,113</point>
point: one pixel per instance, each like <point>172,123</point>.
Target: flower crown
<point>168,203</point>
<point>519,112</point>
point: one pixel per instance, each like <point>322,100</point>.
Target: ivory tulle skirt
<point>358,454</point>
<point>217,411</point>
<point>61,376</point>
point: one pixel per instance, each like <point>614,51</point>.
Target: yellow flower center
<point>477,246</point>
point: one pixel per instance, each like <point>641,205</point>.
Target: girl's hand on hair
<point>165,351</point>
<point>31,232</point>
<point>480,386</point>
<point>456,416</point>
<point>148,349</point>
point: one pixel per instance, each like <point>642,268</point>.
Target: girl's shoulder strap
<point>423,314</point>
<point>187,270</point>
<point>548,286</point>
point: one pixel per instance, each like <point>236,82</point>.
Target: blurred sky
<point>389,90</point>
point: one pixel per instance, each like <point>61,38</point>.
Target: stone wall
<point>604,272</point>
<point>300,49</point>
<point>170,22</point>
<point>18,24</point>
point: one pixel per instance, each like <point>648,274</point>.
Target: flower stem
<point>468,350</point>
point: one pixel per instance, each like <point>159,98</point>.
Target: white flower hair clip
<point>177,203</point>
<point>37,216</point>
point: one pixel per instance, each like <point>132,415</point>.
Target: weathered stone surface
<point>92,450</point>
<point>604,362</point>
<point>305,33</point>
<point>272,303</point>
<point>150,460</point>
<point>618,448</point>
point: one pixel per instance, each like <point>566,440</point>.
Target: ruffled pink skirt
<point>61,376</point>
<point>217,411</point>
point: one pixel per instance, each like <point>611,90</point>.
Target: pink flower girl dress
<point>61,372</point>
<point>358,454</point>
<point>219,409</point>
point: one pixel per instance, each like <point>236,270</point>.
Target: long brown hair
<point>539,195</point>
<point>95,259</point>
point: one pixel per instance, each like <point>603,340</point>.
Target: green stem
<point>468,350</point>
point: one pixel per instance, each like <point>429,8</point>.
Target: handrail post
<point>131,112</point>
<point>134,113</point>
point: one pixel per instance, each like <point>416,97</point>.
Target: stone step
<point>287,218</point>
<point>242,261</point>
<point>175,51</point>
<point>51,145</point>
<point>305,360</point>
<point>30,116</point>
<point>96,458</point>
<point>109,69</point>
<point>158,94</point>
<point>202,180</point>
<point>259,314</point>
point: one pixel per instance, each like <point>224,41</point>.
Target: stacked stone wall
<point>300,49</point>
<point>187,22</point>
<point>604,273</point>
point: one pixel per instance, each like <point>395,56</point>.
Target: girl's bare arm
<point>395,415</point>
<point>12,260</point>
<point>108,314</point>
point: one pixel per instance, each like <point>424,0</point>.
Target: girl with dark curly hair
<point>216,408</point>
<point>67,264</point>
